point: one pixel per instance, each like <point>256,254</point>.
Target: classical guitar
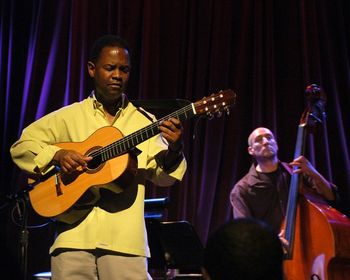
<point>56,193</point>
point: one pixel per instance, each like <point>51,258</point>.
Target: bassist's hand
<point>284,241</point>
<point>304,166</point>
<point>322,186</point>
<point>70,160</point>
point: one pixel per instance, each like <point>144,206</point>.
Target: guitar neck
<point>131,141</point>
<point>215,103</point>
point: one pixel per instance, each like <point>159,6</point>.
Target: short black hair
<point>107,41</point>
<point>244,249</point>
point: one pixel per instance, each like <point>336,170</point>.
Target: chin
<point>113,95</point>
<point>269,155</point>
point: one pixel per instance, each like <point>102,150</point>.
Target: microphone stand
<point>24,234</point>
<point>21,202</point>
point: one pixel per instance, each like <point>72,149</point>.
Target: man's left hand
<point>171,130</point>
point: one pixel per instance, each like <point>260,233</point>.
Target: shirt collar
<point>254,178</point>
<point>98,105</point>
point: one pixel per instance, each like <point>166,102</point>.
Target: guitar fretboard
<point>129,142</point>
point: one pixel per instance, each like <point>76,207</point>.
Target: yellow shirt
<point>123,231</point>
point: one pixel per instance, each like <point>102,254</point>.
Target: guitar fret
<point>155,129</point>
<point>137,137</point>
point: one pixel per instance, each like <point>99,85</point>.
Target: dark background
<point>266,51</point>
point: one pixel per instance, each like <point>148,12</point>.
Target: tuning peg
<point>219,114</point>
<point>210,115</point>
<point>315,118</point>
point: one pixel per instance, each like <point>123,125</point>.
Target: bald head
<point>257,132</point>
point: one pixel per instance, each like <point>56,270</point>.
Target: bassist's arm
<point>322,186</point>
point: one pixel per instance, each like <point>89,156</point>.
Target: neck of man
<point>111,106</point>
<point>111,109</point>
<point>267,165</point>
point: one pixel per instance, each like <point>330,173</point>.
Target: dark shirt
<point>262,195</point>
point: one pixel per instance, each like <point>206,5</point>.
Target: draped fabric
<point>266,51</point>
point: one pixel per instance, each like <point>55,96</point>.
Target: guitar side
<point>55,195</point>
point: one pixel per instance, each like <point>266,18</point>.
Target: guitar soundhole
<point>96,163</point>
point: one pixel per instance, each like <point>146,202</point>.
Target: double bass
<point>318,235</point>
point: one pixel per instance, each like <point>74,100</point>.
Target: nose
<point>117,74</point>
<point>265,140</point>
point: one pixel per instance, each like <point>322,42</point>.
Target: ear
<point>250,150</point>
<point>91,69</point>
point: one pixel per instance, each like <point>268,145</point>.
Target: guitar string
<point>140,132</point>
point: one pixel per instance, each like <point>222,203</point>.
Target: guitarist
<point>110,241</point>
<point>263,192</point>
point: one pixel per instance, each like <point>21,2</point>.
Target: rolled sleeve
<point>43,159</point>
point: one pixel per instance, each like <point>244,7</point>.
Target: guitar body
<point>321,242</point>
<point>50,199</point>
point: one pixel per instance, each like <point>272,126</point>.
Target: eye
<point>258,139</point>
<point>125,69</point>
<point>109,67</point>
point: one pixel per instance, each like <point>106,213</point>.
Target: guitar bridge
<point>58,185</point>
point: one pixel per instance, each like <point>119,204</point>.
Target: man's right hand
<point>284,242</point>
<point>70,160</point>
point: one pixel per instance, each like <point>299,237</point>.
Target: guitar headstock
<point>216,103</point>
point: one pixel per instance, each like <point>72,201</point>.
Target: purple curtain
<point>267,51</point>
